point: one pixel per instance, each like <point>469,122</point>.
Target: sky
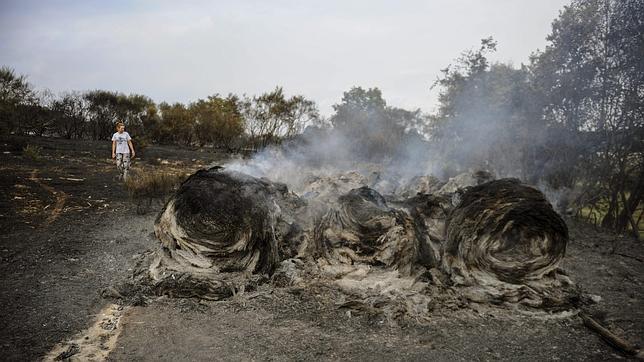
<point>179,51</point>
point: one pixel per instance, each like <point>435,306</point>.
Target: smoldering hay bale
<point>429,214</point>
<point>502,243</point>
<point>365,229</point>
<point>419,185</point>
<point>505,242</point>
<point>463,180</point>
<point>220,221</point>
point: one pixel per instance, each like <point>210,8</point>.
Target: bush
<point>146,187</point>
<point>141,144</point>
<point>33,152</point>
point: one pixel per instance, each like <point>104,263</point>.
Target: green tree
<point>592,76</point>
<point>70,115</point>
<point>132,110</point>
<point>218,121</point>
<point>105,108</point>
<point>151,123</point>
<point>103,113</point>
<point>17,98</point>
<point>272,116</point>
<point>374,130</point>
<point>489,116</point>
<point>177,124</point>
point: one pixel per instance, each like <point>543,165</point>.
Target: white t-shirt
<point>121,142</point>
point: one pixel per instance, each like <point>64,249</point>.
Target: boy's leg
<point>119,164</point>
<point>126,165</point>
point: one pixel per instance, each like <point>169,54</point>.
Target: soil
<point>69,232</point>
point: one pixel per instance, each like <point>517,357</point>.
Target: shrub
<point>33,152</point>
<point>141,144</point>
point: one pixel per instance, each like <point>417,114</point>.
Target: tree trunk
<point>630,206</point>
<point>608,221</point>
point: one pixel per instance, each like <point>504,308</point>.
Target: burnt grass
<point>69,231</point>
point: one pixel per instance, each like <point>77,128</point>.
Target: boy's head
<point>120,127</point>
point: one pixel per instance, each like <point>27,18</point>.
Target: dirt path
<point>60,196</point>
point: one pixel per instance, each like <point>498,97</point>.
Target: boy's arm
<point>129,143</point>
<point>113,149</point>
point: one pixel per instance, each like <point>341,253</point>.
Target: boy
<point>121,146</point>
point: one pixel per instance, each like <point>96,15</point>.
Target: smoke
<point>488,121</point>
<point>384,154</point>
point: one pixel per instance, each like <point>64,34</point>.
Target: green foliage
<point>33,152</point>
<point>106,108</point>
<point>573,118</point>
<point>375,129</point>
<point>592,76</point>
<point>14,88</point>
<point>489,115</point>
<point>272,116</point>
<point>177,124</point>
<point>142,144</point>
<point>218,121</point>
<point>16,101</point>
<point>222,122</point>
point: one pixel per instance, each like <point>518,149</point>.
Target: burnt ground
<point>69,231</point>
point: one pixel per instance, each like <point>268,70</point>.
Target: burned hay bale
<point>419,185</point>
<point>505,239</point>
<point>466,179</point>
<point>500,242</point>
<point>429,214</point>
<point>363,229</point>
<point>227,221</point>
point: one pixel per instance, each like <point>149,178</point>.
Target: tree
<point>375,129</point>
<point>483,120</point>
<point>218,120</point>
<point>70,114</point>
<point>272,116</point>
<point>177,124</point>
<point>301,113</point>
<point>102,113</point>
<point>592,76</point>
<point>16,98</point>
<point>106,108</point>
<point>151,123</point>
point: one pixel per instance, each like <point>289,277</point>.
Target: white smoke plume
<point>331,152</point>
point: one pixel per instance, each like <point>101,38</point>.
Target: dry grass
<point>152,184</point>
<point>154,161</point>
<point>145,187</point>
